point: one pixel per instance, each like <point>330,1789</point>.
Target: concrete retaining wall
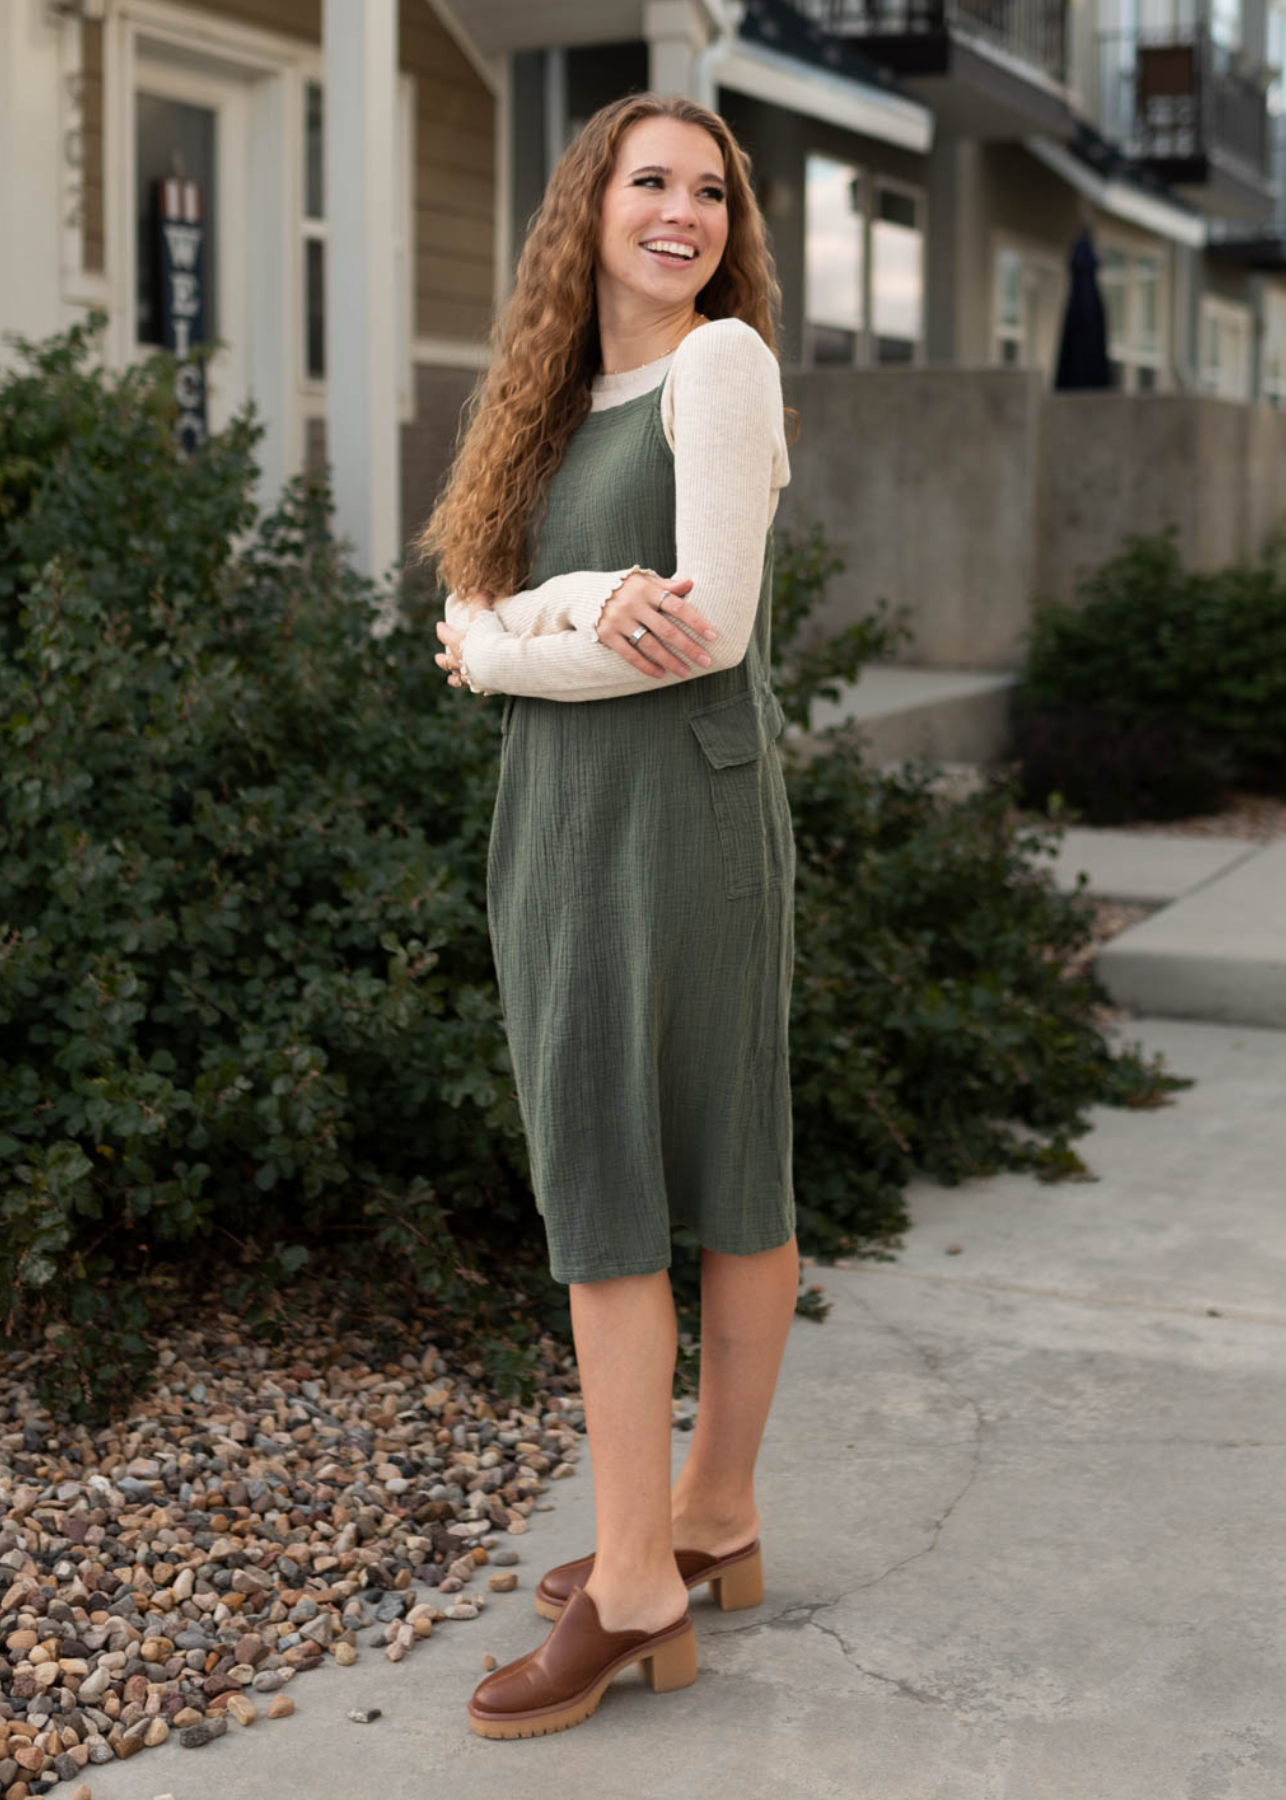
<point>965,492</point>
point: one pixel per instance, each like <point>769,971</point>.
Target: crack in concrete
<point>802,1615</point>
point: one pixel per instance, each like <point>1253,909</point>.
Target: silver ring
<point>637,634</point>
<point>666,594</point>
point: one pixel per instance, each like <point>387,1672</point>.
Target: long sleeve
<point>722,414</point>
<point>556,605</point>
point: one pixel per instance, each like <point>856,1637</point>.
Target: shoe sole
<point>668,1666</point>
<point>735,1586</point>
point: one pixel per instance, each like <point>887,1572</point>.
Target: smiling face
<point>664,218</point>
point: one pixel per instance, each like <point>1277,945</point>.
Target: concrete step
<point>1143,868</point>
<point>1218,953</point>
<point>935,715</point>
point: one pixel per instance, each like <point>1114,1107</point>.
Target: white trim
<point>80,286</point>
<point>783,81</point>
<point>260,294</point>
<point>449,353</point>
<point>1118,198</point>
<point>502,237</point>
<point>1232,314</point>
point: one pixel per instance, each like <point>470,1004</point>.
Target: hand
<point>449,658</point>
<point>647,600</point>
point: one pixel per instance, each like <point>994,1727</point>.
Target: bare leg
<point>626,1341</point>
<point>747,1303</point>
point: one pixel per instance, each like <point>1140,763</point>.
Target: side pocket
<point>505,711</point>
<point>736,736</point>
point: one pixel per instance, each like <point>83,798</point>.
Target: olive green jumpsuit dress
<point>640,900</point>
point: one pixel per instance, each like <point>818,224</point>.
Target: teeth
<point>671,247</point>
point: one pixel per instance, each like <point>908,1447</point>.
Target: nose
<point>678,208</point>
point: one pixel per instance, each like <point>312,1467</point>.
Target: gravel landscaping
<point>256,1512</point>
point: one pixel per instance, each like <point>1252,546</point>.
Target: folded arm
<point>723,417</point>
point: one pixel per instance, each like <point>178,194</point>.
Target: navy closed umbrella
<point>1082,354</point>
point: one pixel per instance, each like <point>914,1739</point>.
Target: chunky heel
<point>673,1665</point>
<point>740,1586</point>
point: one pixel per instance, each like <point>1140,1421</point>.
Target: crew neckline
<point>627,377</point>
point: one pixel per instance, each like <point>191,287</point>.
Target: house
<point>337,191</point>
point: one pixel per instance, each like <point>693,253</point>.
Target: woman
<point>641,864</point>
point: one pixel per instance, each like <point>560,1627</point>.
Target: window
<point>834,242</point>
<point>897,275</point>
<point>1027,308</point>
<point>863,266</point>
<point>1132,285</point>
<point>1225,348</point>
<point>315,239</point>
<point>1225,23</point>
<point>1272,384</point>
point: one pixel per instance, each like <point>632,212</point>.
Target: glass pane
<point>315,307</point>
<point>174,138</point>
<point>1111,281</point>
<point>897,281</point>
<point>1009,288</point>
<point>314,190</point>
<point>832,244</point>
<point>1147,378</point>
<point>1225,22</point>
<point>1147,275</point>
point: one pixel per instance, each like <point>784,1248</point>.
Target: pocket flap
<point>739,729</point>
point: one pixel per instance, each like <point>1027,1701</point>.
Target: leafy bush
<point>248,1018</point>
<point>1115,769</point>
<point>246,999</point>
<point>1157,657</point>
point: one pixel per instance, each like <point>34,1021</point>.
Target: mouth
<point>672,252</point>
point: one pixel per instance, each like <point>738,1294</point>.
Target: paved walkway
<point>1023,1522</point>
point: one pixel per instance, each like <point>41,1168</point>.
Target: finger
<point>676,640</point>
<point>685,611</point>
<point>655,659</point>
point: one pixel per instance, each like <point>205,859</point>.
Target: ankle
<point>713,1508</point>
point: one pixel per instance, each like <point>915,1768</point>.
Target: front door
<point>190,130</point>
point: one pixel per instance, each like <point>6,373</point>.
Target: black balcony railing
<point>1172,98</point>
<point>1034,31</point>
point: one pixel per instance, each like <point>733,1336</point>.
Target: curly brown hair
<point>545,349</point>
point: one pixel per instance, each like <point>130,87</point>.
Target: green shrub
<point>248,1018</point>
<point>1146,642</point>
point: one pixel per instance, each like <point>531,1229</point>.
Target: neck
<point>628,339</point>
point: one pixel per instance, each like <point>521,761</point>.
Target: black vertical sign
<point>180,218</point>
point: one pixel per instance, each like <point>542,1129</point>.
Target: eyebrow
<point>660,169</point>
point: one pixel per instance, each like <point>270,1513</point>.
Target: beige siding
<point>455,180</point>
<point>454,191</point>
<point>293,18</point>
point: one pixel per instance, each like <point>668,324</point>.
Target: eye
<point>716,193</point>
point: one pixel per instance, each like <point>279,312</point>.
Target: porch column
<point>362,436</point>
<point>677,31</point>
<point>36,182</point>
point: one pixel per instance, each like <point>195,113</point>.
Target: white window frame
<point>1233,315</point>
<point>919,198</point>
<point>1127,351</point>
<point>276,68</point>
<point>1271,389</point>
<point>870,181</point>
<point>1033,254</point>
<point>312,390</point>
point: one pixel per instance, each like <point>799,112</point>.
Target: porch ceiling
<point>496,27</point>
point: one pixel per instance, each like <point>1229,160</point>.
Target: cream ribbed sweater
<point>721,408</point>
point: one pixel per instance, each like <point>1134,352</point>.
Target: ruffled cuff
<point>470,632</point>
<point>585,614</point>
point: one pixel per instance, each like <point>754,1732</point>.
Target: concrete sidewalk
<point>1023,1524</point>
